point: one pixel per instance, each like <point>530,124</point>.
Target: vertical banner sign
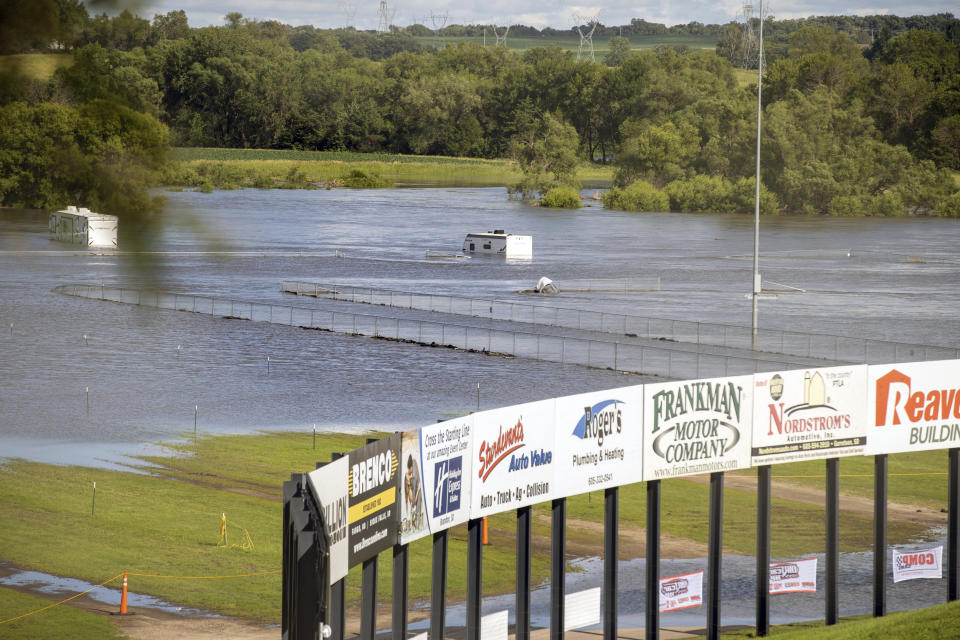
<point>413,510</point>
<point>805,414</point>
<point>681,592</point>
<point>696,426</point>
<point>374,515</point>
<point>798,576</point>
<point>329,486</point>
<point>911,565</point>
<point>442,461</point>
<point>513,458</point>
<point>599,440</point>
<point>914,406</point>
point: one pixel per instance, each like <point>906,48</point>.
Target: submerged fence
<point>792,343</point>
<point>675,361</point>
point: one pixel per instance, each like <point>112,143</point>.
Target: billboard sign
<point>599,440</point>
<point>809,413</point>
<point>436,478</point>
<point>797,576</point>
<point>513,458</point>
<point>910,565</point>
<point>681,592</point>
<point>373,485</point>
<point>913,406</point>
<point>329,486</point>
<point>696,426</point>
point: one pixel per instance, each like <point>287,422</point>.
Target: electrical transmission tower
<point>501,38</point>
<point>386,17</point>
<point>349,12</point>
<point>582,24</point>
<point>748,41</point>
<point>439,21</point>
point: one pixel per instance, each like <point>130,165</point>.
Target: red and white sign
<point>513,458</point>
<point>914,406</point>
<point>681,592</point>
<point>794,576</point>
<point>910,565</point>
<point>809,413</point>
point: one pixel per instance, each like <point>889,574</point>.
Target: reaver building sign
<point>696,426</point>
<point>513,458</point>
<point>914,406</point>
<point>599,440</point>
<point>809,413</point>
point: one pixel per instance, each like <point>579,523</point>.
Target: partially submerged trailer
<point>499,243</point>
<point>82,226</point>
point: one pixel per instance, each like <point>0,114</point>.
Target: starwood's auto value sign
<point>696,426</point>
<point>513,458</point>
<point>804,414</point>
<point>599,440</point>
<point>914,406</point>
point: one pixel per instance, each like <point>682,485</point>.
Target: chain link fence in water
<point>791,343</point>
<point>673,362</point>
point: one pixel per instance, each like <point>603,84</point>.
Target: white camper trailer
<point>82,226</point>
<point>498,243</point>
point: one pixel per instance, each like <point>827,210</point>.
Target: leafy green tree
<point>619,51</point>
<point>658,153</point>
<point>639,196</point>
<point>547,155</point>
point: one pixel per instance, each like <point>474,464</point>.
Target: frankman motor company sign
<point>812,413</point>
<point>697,426</point>
<point>914,406</point>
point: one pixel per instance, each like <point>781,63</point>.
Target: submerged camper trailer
<point>498,243</point>
<point>82,226</point>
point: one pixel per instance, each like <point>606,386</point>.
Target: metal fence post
<point>474,577</point>
<point>879,535</point>
<point>831,613</point>
<point>953,524</point>
<point>611,515</point>
<point>652,612</point>
<point>763,550</point>
<point>558,530</point>
<point>523,574</point>
<point>715,555</point>
<point>438,586</point>
<point>401,572</point>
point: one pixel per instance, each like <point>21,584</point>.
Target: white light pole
<point>756,207</point>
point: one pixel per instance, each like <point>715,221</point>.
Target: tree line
<point>847,128</point>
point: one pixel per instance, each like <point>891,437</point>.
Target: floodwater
<point>92,383</point>
<point>88,382</point>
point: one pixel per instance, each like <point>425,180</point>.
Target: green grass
<point>166,522</point>
<point>913,478</point>
<point>36,66</point>
<point>56,622</point>
<point>932,623</point>
<point>237,168</point>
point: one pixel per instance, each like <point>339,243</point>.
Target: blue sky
<point>363,14</point>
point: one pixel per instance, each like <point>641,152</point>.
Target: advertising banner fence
<point>796,576</point>
<point>329,485</point>
<point>513,455</point>
<point>911,565</point>
<point>437,478</point>
<point>681,592</point>
<point>373,484</point>
<point>599,440</point>
<point>805,414</point>
<point>697,426</point>
<point>914,406</point>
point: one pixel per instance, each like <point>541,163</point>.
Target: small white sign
<point>581,609</point>
<point>494,626</point>
<point>794,576</point>
<point>910,565</point>
<point>681,592</point>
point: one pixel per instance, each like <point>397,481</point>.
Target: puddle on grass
<point>43,583</point>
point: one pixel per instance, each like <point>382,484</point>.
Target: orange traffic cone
<point>123,596</point>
